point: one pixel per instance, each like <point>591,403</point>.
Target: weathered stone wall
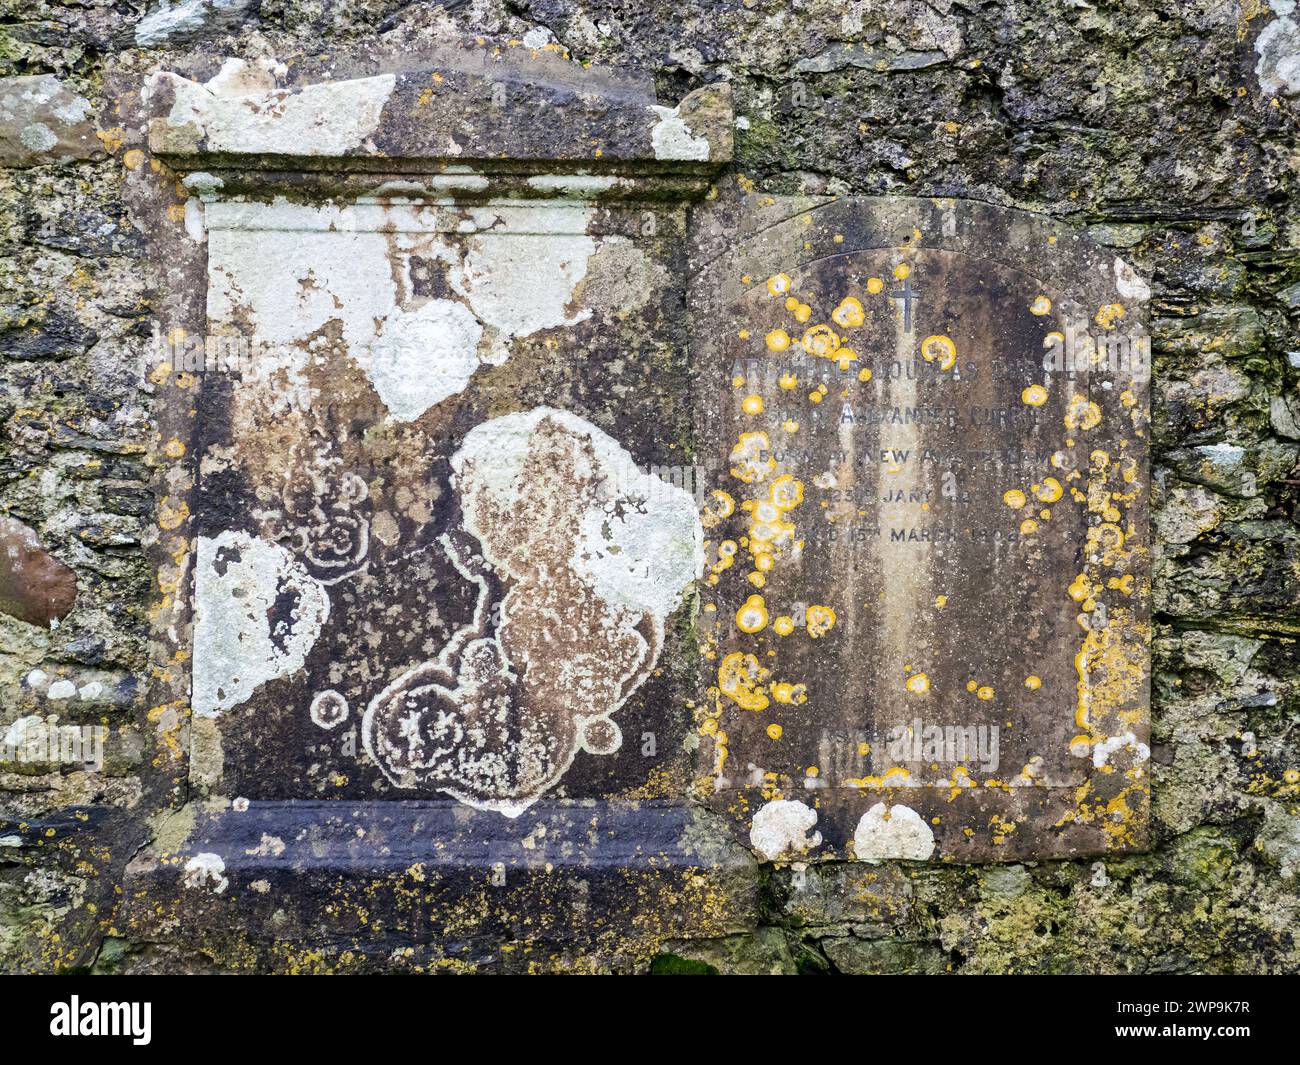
<point>1165,130</point>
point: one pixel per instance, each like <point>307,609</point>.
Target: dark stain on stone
<point>35,587</point>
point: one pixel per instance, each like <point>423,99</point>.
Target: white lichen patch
<point>673,139</point>
<point>579,185</point>
<point>206,870</point>
<point>269,847</point>
<point>329,709</point>
<point>257,614</point>
<point>184,17</point>
<point>1102,751</point>
<point>349,269</point>
<point>781,829</point>
<point>422,356</point>
<point>522,283</point>
<point>578,557</point>
<point>239,77</point>
<point>1128,283</point>
<point>1278,48</point>
<point>897,831</point>
<point>324,119</point>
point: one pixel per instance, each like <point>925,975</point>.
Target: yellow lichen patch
<point>778,284</point>
<point>133,158</point>
<point>752,616</point>
<point>783,626</point>
<point>819,621</point>
<point>774,731</point>
<point>849,313</point>
<point>1033,683</point>
<point>984,692</point>
<point>740,679</point>
<point>752,404</point>
<point>895,777</point>
<point>751,458</point>
<point>726,556</point>
<point>1080,588</point>
<point>785,493</point>
<point>1034,396</point>
<point>1111,670</point>
<point>864,374</point>
<point>1028,527</point>
<point>790,694</point>
<point>940,349</point>
<point>918,684</point>
<point>814,397</point>
<point>902,271</point>
<point>875,286</point>
<point>720,506</point>
<point>769,528</point>
<point>821,341</point>
<point>172,515</point>
<point>1001,826</point>
<point>788,382</point>
<point>1049,491</point>
<point>1122,584</point>
<point>1108,314</point>
<point>1040,305</point>
<point>1014,498</point>
<point>790,425</point>
<point>111,138</point>
<point>777,340</point>
<point>845,358</point>
<point>1082,413</point>
<point>174,449</point>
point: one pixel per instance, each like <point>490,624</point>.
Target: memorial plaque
<point>925,617</point>
<point>434,531</point>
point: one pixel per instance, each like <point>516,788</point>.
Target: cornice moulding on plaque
<point>452,134</point>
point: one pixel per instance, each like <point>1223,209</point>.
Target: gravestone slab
<point>926,614</point>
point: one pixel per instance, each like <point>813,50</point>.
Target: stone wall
<point>1165,130</point>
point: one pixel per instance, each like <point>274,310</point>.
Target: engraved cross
<point>908,295</point>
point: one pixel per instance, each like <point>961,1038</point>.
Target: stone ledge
<point>594,880</point>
